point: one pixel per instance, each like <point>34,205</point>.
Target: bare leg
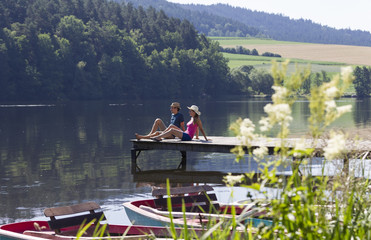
<point>158,124</point>
<point>173,131</point>
<point>147,136</point>
<point>172,127</point>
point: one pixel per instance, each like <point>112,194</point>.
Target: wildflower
<point>260,152</point>
<point>265,125</point>
<point>291,217</point>
<point>231,180</point>
<point>333,112</point>
<point>300,148</point>
<point>346,72</point>
<point>279,113</point>
<point>331,92</point>
<point>343,109</point>
<point>335,146</point>
<point>280,93</point>
<point>330,106</point>
<point>247,129</point>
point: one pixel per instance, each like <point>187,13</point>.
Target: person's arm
<point>201,129</point>
<point>182,126</point>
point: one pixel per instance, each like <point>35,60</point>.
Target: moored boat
<point>29,230</point>
<point>199,208</point>
<point>69,227</point>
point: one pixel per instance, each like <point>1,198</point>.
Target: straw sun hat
<point>195,109</point>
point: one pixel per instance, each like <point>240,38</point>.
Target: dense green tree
<point>99,49</point>
<point>261,81</point>
<point>218,70</point>
<point>314,80</point>
<point>240,81</point>
<point>49,76</point>
<point>6,87</point>
<point>362,82</point>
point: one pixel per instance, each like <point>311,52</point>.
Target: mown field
<point>326,57</point>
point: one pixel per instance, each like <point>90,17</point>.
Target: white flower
<point>346,72</point>
<point>299,147</point>
<point>331,92</point>
<point>247,129</point>
<point>233,180</point>
<point>335,146</point>
<point>265,125</point>
<point>291,217</point>
<point>279,113</point>
<point>280,93</point>
<point>343,109</point>
<point>330,106</point>
<point>260,152</point>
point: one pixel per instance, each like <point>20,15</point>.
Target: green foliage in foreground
<point>303,206</point>
<point>307,206</point>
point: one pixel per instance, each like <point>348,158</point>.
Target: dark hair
<point>196,117</point>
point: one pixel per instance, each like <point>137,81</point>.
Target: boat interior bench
<point>69,226</point>
<point>57,224</point>
<point>195,199</point>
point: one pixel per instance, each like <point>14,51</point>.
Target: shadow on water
<point>60,154</point>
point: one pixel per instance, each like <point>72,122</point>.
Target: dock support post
<point>346,165</point>
<point>134,157</point>
<point>183,163</point>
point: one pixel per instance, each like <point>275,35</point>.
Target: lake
<point>61,154</point>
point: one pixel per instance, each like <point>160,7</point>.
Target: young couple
<point>176,127</point>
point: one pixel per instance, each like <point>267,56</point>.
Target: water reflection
<point>60,154</point>
<point>362,112</point>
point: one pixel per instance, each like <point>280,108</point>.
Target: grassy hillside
<point>236,60</point>
<point>327,57</point>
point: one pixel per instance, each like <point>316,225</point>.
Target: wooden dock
<point>225,144</point>
<point>179,176</point>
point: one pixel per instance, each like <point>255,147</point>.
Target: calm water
<point>62,154</point>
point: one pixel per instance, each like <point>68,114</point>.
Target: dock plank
<point>220,144</point>
<point>225,144</point>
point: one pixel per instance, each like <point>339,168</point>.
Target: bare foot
<point>138,137</point>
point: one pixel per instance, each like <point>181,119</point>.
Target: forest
<point>207,23</point>
<point>98,49</point>
<point>279,27</point>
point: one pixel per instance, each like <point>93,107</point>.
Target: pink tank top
<point>191,128</point>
